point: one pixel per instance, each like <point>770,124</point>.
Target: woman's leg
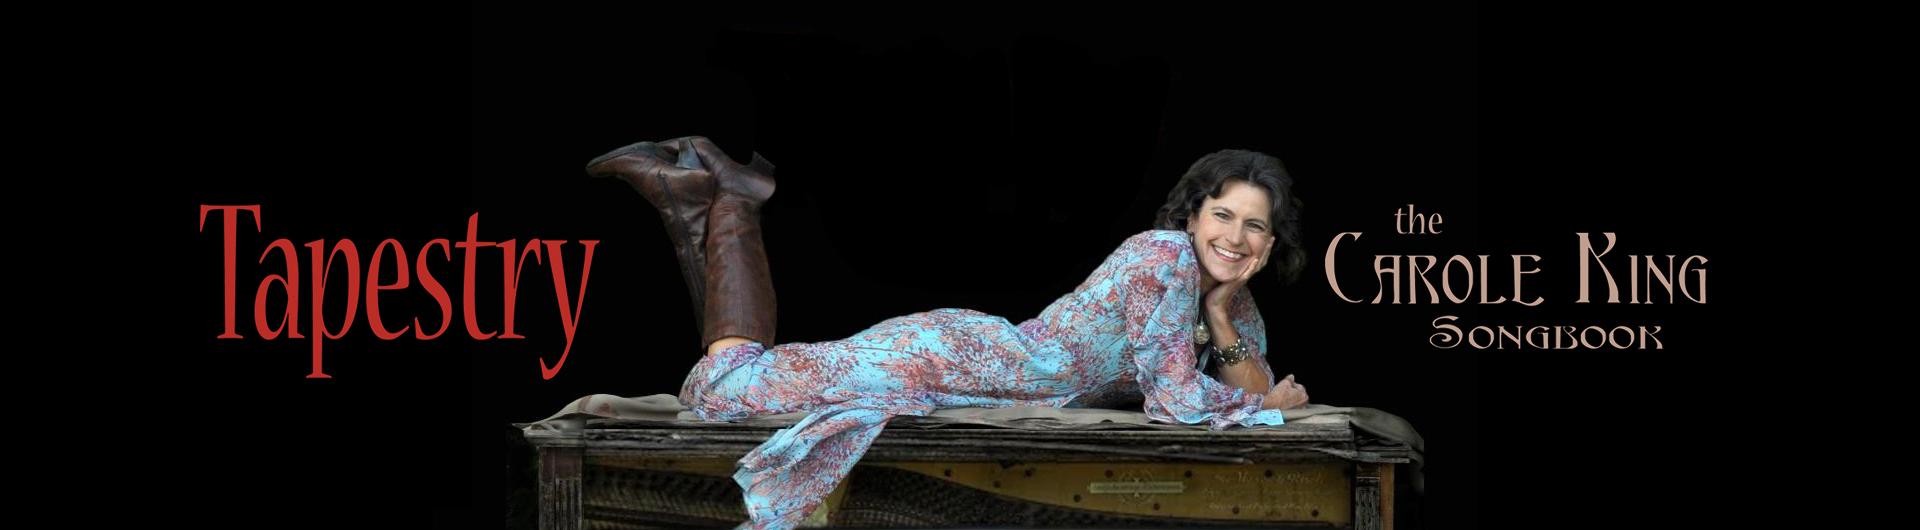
<point>739,302</point>
<point>726,342</point>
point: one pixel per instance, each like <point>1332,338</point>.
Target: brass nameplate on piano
<point>1137,487</point>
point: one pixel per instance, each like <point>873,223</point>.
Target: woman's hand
<point>1222,295</point>
<point>1286,395</point>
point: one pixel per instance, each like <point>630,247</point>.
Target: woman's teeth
<point>1229,256</point>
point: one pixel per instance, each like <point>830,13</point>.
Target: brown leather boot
<point>740,299</point>
<point>670,176</point>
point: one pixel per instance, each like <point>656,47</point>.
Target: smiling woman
<point>1213,186</point>
<point>1238,207</point>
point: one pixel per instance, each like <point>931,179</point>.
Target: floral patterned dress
<point>1124,335</point>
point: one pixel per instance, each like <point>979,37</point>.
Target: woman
<point>1130,332</point>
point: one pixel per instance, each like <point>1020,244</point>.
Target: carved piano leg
<point>1372,496</point>
<point>560,495</point>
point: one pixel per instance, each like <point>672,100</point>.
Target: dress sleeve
<point>1160,307</point>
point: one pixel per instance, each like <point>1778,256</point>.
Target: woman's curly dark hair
<point>1208,177</point>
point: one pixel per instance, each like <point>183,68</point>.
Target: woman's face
<point>1231,232</point>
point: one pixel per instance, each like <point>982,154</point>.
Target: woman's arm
<point>1253,374</point>
<point>1159,309</point>
<point>1281,393</point>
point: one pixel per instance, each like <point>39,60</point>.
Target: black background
<point>972,158</point>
